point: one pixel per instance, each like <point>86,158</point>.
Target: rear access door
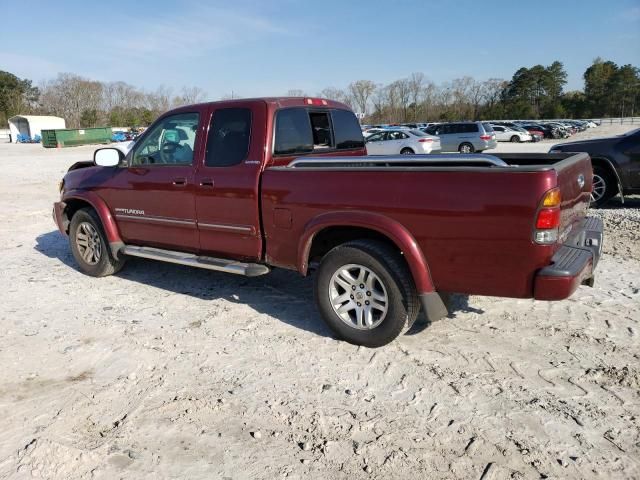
<point>227,181</point>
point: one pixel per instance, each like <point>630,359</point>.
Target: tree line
<point>88,103</point>
<point>535,92</point>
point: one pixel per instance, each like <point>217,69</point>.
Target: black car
<point>616,164</point>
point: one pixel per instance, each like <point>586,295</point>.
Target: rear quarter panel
<point>474,227</point>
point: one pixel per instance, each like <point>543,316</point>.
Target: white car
<point>370,131</point>
<point>508,134</point>
<point>405,142</point>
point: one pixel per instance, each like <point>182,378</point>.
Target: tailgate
<point>575,178</point>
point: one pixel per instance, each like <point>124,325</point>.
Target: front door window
<point>171,142</point>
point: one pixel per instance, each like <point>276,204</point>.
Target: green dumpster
<point>68,137</point>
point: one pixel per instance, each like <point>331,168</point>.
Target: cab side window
<point>229,137</point>
<point>170,142</point>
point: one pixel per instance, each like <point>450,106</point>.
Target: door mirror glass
<point>107,157</point>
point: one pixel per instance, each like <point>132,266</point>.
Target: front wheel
<point>365,293</point>
<point>89,245</point>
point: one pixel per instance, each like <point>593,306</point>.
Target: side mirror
<point>107,157</point>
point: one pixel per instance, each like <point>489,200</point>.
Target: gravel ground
<point>163,371</point>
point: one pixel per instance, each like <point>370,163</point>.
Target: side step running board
<point>210,263</point>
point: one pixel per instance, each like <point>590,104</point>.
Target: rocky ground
<point>163,371</point>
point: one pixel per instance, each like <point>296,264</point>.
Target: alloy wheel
<point>358,297</point>
<point>599,188</point>
<point>88,243</point>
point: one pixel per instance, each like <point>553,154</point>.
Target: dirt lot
<point>168,372</point>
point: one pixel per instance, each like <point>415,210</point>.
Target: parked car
<point>253,186</point>
<point>616,164</point>
<point>404,142</point>
<point>464,137</point>
<point>507,134</point>
<point>544,130</point>
<point>370,131</point>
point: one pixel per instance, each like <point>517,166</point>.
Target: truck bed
<point>472,216</point>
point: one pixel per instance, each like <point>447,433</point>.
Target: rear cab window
<point>229,137</point>
<point>301,130</point>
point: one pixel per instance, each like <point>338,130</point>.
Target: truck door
<point>152,199</point>
<point>228,182</point>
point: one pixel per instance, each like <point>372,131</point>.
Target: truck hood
<point>568,146</point>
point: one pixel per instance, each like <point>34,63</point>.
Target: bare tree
<point>189,96</point>
<point>428,101</point>
<point>336,94</point>
<point>460,89</point>
<point>71,96</point>
<point>361,91</point>
<point>476,96</point>
<point>296,92</point>
<point>416,90</point>
<point>400,95</point>
<point>493,89</point>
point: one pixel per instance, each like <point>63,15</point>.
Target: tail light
<point>315,101</point>
<point>485,137</point>
<point>425,140</point>
<point>548,218</point>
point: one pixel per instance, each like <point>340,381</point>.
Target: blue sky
<point>266,48</point>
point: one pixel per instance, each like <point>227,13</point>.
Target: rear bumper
<point>573,264</point>
<point>59,218</point>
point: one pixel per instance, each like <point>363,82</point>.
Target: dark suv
<point>616,164</point>
<point>464,137</point>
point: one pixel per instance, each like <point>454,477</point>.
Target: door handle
<point>206,182</point>
<point>180,181</point>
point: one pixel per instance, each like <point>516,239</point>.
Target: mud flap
<point>433,306</point>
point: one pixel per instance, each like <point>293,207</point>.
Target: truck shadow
<point>456,303</point>
<point>282,294</point>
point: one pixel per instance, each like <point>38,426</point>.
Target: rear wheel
<point>89,245</point>
<point>406,151</point>
<point>515,139</point>
<point>365,293</point>
<point>604,186</point>
<point>466,148</point>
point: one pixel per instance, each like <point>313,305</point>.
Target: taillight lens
<point>485,137</point>
<point>425,140</point>
<point>548,218</point>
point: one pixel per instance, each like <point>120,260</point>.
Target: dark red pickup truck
<point>242,186</point>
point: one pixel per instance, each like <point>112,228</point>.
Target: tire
<point>515,139</point>
<point>89,245</point>
<point>406,151</point>
<point>466,148</point>
<point>388,277</point>
<point>604,186</point>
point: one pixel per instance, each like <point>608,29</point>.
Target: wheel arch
<point>74,201</point>
<point>609,165</point>
<point>332,229</point>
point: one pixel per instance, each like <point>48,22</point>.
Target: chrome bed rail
<point>400,161</point>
